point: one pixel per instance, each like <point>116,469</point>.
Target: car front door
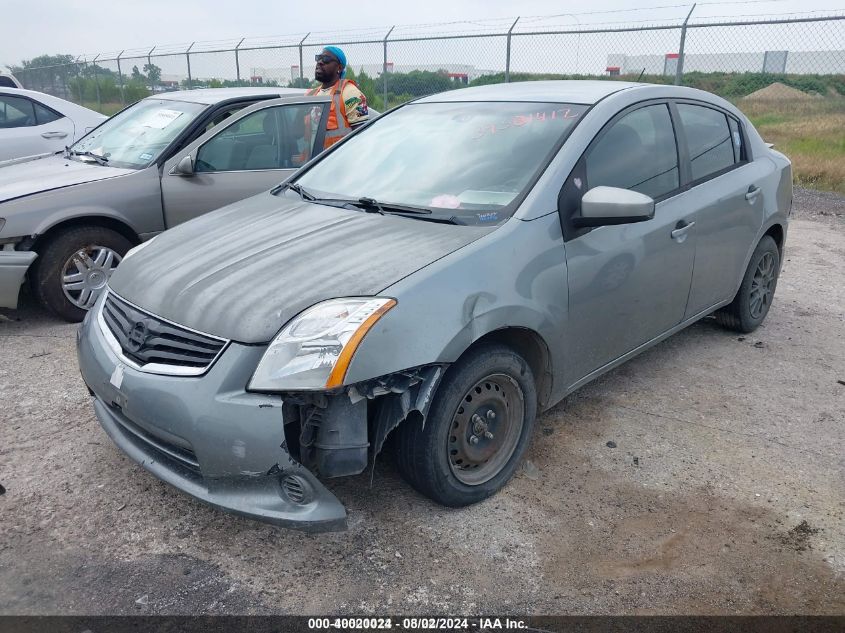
<point>245,155</point>
<point>27,128</point>
<point>730,201</point>
<point>628,283</point>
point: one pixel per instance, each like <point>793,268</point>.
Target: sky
<point>33,27</point>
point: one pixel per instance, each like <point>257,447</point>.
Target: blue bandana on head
<point>341,57</point>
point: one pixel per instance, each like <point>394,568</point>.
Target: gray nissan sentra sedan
<point>442,276</point>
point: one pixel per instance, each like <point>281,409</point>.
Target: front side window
<point>469,159</point>
<point>709,140</point>
<point>637,152</point>
<point>137,136</point>
<point>270,138</point>
<point>16,112</point>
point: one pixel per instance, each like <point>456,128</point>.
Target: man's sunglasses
<point>324,59</point>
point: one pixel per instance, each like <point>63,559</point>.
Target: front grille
<point>146,339</point>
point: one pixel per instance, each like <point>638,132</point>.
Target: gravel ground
<point>724,493</point>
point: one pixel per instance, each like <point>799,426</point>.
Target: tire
<point>754,297</point>
<point>485,379</point>
<point>56,255</point>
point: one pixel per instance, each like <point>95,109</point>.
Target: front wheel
<point>754,297</point>
<point>73,268</point>
<point>477,430</point>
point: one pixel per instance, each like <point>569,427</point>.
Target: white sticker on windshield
<point>145,156</point>
<point>161,119</point>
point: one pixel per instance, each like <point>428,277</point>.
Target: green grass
<point>810,132</point>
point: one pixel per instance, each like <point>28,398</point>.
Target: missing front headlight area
<point>339,433</point>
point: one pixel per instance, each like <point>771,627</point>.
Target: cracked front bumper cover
<point>205,435</point>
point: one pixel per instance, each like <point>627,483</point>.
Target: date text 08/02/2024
<point>417,624</point>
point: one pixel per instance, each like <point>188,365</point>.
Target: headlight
<point>313,351</point>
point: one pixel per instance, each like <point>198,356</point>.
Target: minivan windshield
<point>136,136</point>
<point>466,160</point>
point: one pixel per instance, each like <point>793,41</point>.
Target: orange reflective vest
<point>337,126</point>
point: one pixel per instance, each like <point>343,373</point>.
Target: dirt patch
<point>778,92</point>
<point>798,538</point>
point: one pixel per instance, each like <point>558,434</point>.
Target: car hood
<point>243,271</point>
<point>48,173</point>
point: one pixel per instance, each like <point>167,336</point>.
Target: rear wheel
<point>73,268</point>
<point>754,297</point>
<point>477,429</point>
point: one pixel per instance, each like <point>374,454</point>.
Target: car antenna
<point>641,74</point>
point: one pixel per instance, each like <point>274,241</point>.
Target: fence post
<point>679,69</point>
<point>150,64</point>
<point>508,54</point>
<point>384,66</point>
<point>97,82</point>
<point>238,61</point>
<point>301,69</point>
<point>188,59</point>
<point>120,79</point>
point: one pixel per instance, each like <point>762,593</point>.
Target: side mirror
<point>603,206</point>
<point>185,167</point>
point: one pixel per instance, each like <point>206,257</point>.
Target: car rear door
<point>628,283</point>
<point>28,128</point>
<point>727,184</point>
<point>251,152</point>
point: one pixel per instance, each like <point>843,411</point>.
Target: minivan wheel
<point>477,429</point>
<point>754,298</point>
<point>73,268</point>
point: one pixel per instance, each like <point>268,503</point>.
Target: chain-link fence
<point>394,64</point>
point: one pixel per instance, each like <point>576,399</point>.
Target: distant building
<point>791,62</point>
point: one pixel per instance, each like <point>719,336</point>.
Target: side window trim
<point>682,138</point>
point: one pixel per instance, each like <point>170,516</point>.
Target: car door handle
<point>681,230</point>
<point>753,192</point>
<point>54,134</point>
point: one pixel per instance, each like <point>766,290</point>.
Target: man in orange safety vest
<point>349,105</point>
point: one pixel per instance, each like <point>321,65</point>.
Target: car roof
<point>63,106</point>
<point>209,96</point>
<point>584,92</point>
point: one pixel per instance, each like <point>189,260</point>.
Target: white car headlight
<point>313,350</point>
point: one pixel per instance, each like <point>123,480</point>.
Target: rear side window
<point>637,152</point>
<point>736,140</point>
<point>16,112</point>
<point>709,139</point>
<point>45,115</point>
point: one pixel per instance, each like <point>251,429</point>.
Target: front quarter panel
<point>514,277</point>
<point>133,198</point>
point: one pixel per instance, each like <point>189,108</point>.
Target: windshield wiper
<point>372,205</point>
<point>303,193</point>
<point>98,157</point>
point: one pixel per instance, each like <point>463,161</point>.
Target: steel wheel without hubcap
<point>86,273</point>
<point>486,429</point>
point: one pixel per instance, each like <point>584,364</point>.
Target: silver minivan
<point>435,280</point>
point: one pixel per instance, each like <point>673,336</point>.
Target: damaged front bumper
<point>206,435</point>
<point>13,267</point>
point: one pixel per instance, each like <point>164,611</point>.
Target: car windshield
<point>470,161</point>
<point>138,135</point>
